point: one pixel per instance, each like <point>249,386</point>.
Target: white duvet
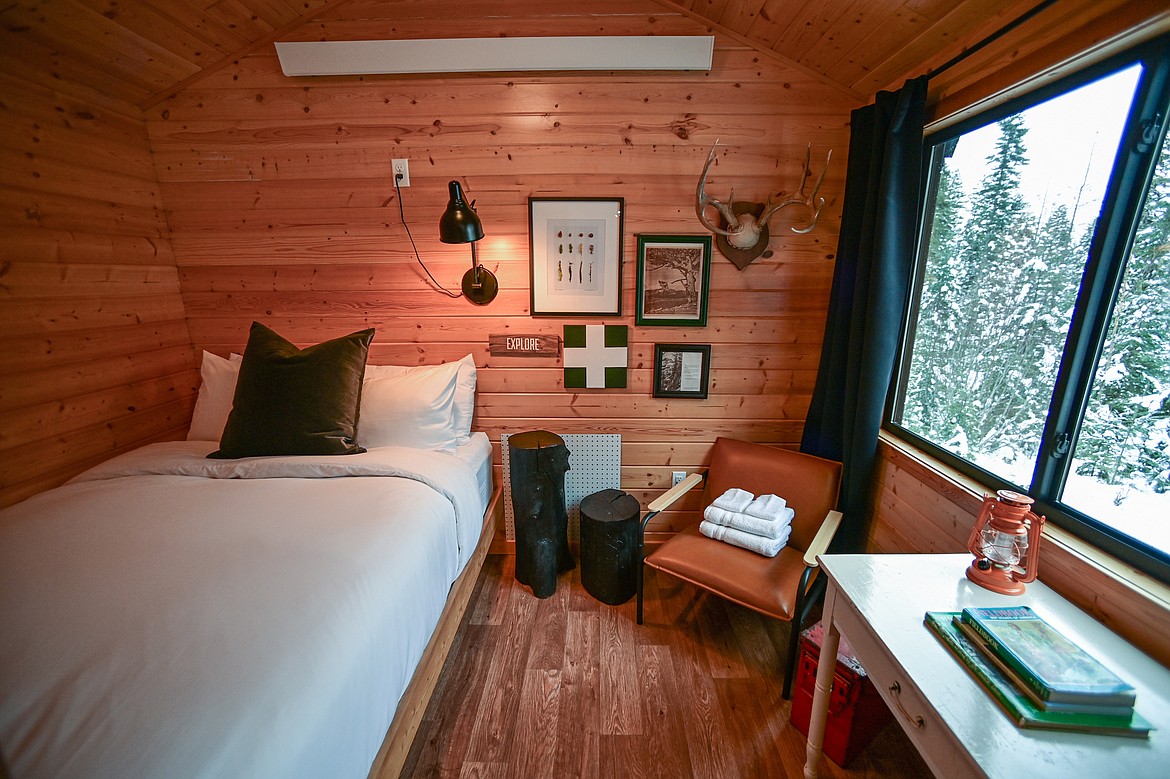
<point>165,615</point>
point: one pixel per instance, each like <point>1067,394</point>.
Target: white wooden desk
<point>878,603</point>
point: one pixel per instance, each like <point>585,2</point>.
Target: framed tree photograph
<point>575,249</point>
<point>674,273</point>
<point>681,370</point>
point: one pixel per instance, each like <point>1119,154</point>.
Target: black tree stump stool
<point>609,546</point>
<point>538,462</point>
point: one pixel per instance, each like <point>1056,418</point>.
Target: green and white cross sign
<point>596,356</point>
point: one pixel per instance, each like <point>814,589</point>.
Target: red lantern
<point>1006,543</point>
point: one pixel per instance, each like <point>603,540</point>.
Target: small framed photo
<point>674,273</point>
<point>575,248</point>
<point>681,370</point>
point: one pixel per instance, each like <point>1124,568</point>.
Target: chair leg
<point>807,598</point>
<point>790,660</point>
<point>641,573</point>
<point>642,558</point>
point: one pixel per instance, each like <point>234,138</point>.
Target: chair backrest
<point>809,484</point>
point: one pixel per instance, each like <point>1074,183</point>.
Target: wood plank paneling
<point>96,354</point>
<point>48,350</point>
<point>97,42</point>
<point>281,208</point>
<point>208,114</point>
<point>133,49</point>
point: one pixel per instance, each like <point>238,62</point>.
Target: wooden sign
<point>524,345</point>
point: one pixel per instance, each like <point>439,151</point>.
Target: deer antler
<point>745,236</point>
<point>813,203</point>
<point>703,201</point>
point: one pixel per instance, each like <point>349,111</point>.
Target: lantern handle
<point>1032,558</point>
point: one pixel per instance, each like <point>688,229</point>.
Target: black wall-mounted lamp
<point>460,224</point>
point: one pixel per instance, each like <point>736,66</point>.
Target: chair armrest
<point>823,538</point>
<point>667,498</point>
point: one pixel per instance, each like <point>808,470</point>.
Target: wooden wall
<point>95,356</point>
<point>921,506</point>
<point>281,206</point>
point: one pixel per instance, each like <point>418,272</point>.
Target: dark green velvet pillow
<point>293,401</point>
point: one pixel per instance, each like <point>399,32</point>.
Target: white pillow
<point>217,388</point>
<point>465,396</point>
<point>425,407</point>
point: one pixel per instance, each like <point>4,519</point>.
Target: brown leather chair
<point>785,586</point>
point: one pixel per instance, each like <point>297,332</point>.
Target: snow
<point>1142,515</point>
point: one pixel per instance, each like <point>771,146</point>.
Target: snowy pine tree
<point>1126,435</point>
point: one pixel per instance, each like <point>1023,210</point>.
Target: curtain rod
<point>1002,31</point>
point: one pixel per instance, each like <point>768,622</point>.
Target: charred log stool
<point>609,546</point>
<point>539,460</point>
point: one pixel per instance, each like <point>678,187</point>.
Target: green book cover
<point>1018,706</point>
<point>1056,669</point>
<point>1086,708</point>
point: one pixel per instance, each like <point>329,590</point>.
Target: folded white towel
<point>734,499</point>
<point>768,528</point>
<point>766,507</point>
<point>768,547</point>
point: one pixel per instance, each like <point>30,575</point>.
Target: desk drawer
<point>934,740</point>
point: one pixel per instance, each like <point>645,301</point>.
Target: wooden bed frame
<point>413,705</point>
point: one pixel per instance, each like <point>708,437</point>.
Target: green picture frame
<point>674,277</point>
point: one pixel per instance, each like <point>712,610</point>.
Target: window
<point>1037,347</point>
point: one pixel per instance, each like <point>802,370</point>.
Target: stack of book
<point>1039,677</point>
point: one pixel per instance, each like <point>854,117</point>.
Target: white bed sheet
<point>262,622</point>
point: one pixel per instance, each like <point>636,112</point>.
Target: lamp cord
<point>402,214</point>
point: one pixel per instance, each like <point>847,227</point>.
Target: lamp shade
<point>459,223</point>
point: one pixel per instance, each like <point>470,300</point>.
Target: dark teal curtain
<point>871,281</point>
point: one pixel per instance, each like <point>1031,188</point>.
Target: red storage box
<point>856,710</point>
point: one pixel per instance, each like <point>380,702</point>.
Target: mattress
<point>477,453</point>
<point>169,615</point>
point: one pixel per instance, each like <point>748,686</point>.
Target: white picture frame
<point>575,254</point>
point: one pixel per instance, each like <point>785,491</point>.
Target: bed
<point>166,614</point>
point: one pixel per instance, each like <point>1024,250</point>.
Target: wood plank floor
<point>570,687</point>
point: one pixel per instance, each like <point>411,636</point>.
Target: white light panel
<point>491,55</point>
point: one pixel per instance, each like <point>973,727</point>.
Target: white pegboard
<point>595,463</point>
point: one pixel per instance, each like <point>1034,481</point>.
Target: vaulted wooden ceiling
<point>863,45</point>
<point>139,51</point>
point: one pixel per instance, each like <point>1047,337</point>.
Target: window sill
<point>1117,594</point>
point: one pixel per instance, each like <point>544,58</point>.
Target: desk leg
<point>820,705</point>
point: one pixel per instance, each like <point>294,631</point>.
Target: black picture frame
<point>674,278</point>
<point>575,255</point>
<point>678,373</point>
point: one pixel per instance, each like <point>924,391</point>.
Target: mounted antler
<point>745,236</point>
<point>813,203</point>
<point>743,232</point>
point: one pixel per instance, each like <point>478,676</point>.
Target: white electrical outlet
<point>676,477</point>
<point>401,170</point>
